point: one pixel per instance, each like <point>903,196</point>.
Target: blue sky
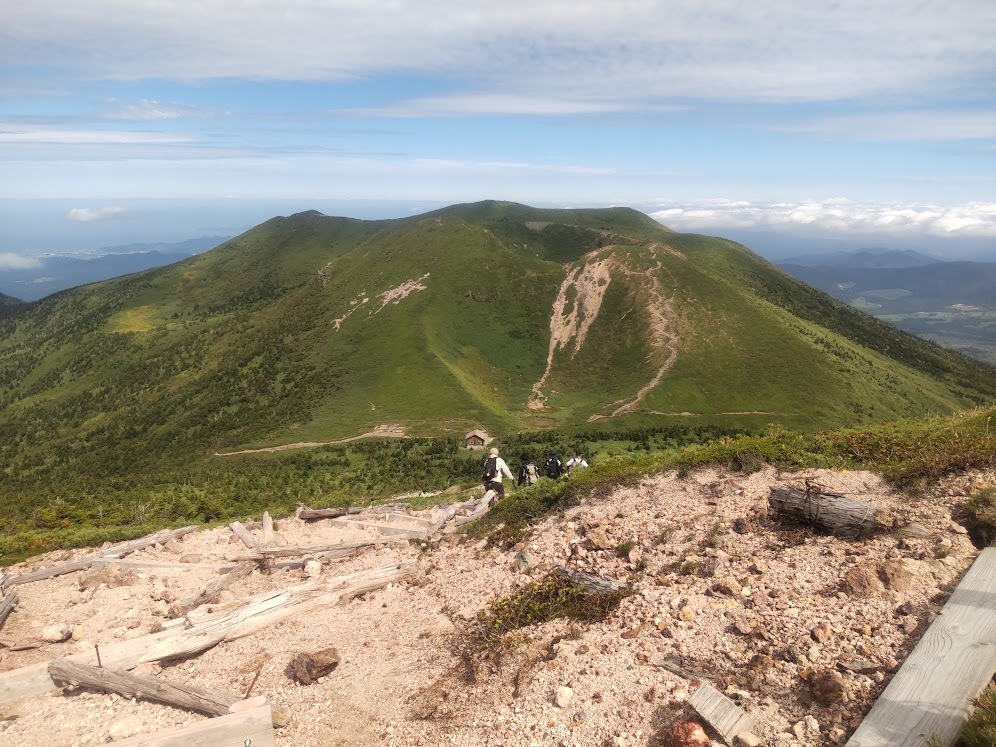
<point>139,120</point>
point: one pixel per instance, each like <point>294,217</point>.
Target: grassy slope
<point>236,346</point>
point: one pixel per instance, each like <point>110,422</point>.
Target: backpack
<point>490,469</point>
<point>532,474</point>
<point>553,467</point>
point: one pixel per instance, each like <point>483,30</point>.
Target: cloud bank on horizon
<point>565,102</point>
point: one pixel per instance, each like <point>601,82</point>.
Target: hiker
<point>553,467</point>
<point>528,472</point>
<point>578,461</point>
<point>494,469</point>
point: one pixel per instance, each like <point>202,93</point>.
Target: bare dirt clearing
<point>720,589</point>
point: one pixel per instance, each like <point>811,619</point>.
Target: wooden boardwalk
<point>956,658</point>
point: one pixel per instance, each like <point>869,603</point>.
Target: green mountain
<point>6,301</point>
<point>313,328</point>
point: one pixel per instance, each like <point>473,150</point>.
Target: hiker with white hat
<point>494,470</point>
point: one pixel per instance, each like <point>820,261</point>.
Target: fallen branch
<point>830,511</point>
<point>312,514</point>
<point>189,697</point>
<point>267,609</point>
<point>593,584</point>
<point>7,606</point>
<point>243,534</point>
<point>210,592</point>
<point>114,551</point>
<point>346,548</point>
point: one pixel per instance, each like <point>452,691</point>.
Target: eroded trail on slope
<point>572,317</point>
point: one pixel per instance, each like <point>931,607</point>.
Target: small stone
<point>828,687</point>
<point>821,633</point>
<point>748,739</point>
<point>309,667</point>
<point>729,585</point>
<point>129,726</point>
<point>687,614</point>
<point>863,580</point>
<point>57,633</point>
<point>758,566</point>
<point>190,557</point>
<point>563,696</point>
<point>685,733</point>
<point>312,568</point>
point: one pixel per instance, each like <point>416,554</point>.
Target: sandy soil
<point>757,611</point>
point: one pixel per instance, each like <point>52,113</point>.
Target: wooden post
<point>312,514</point>
<point>267,528</point>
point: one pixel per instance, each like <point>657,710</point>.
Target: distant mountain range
<point>871,258</point>
<point>952,303</point>
<point>60,271</point>
<point>492,314</point>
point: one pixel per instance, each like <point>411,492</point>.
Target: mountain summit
<point>492,314</point>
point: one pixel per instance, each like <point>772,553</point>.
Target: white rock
<point>312,569</point>
<point>563,696</point>
<point>129,726</point>
<point>57,633</point>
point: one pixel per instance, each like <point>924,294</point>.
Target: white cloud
<point>901,125</point>
<point>835,216</point>
<point>89,215</point>
<point>10,261</point>
<point>501,104</point>
<point>150,110</point>
<point>627,50</point>
<point>53,136</point>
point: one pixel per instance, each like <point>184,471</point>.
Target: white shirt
<point>576,462</point>
<point>502,469</point>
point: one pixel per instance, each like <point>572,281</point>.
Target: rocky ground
<point>802,630</point>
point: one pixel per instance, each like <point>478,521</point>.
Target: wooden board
<point>723,715</point>
<point>223,731</point>
<point>931,693</point>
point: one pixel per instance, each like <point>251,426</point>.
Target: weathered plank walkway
<point>251,727</point>
<point>932,692</point>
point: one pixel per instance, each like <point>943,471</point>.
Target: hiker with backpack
<point>553,468</point>
<point>528,472</point>
<point>494,470</point>
<point>577,462</point>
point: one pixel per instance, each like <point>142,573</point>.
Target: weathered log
<point>252,727</point>
<point>264,553</point>
<point>271,607</point>
<point>210,592</point>
<point>113,551</point>
<point>243,534</point>
<point>311,514</point>
<point>829,511</point>
<point>267,528</point>
<point>190,697</point>
<point>593,584</point>
<point>7,606</point>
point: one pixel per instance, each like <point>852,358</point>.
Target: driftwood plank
<point>210,592</point>
<point>114,551</point>
<point>723,715</point>
<point>388,528</point>
<point>243,534</point>
<point>592,583</point>
<point>267,528</point>
<point>189,697</point>
<point>234,730</point>
<point>7,606</point>
<point>313,514</point>
<point>34,679</point>
<point>267,609</point>
<point>931,693</point>
<point>263,553</point>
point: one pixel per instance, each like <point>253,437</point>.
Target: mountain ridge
<point>314,328</point>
